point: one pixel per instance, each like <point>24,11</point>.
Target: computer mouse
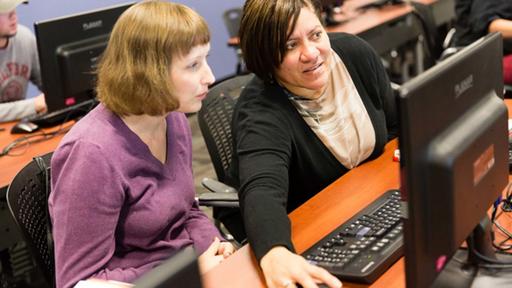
<point>24,127</point>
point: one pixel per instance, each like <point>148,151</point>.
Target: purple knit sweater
<point>116,210</point>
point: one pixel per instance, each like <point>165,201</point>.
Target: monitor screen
<point>181,270</point>
<point>454,156</point>
<point>69,48</point>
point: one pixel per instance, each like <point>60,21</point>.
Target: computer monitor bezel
<point>64,37</point>
<point>180,270</point>
<point>441,215</point>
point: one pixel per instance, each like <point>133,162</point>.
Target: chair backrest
<point>27,198</point>
<point>232,20</point>
<point>427,22</point>
<point>214,120</point>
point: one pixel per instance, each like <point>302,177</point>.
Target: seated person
<point>319,106</point>
<point>122,197</point>
<point>18,65</point>
<point>476,18</point>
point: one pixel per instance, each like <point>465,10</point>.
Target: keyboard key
<point>363,248</point>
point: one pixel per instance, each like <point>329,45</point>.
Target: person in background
<point>18,65</point>
<point>319,106</point>
<point>476,18</point>
<point>122,197</point>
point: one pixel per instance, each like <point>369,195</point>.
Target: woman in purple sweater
<point>122,196</point>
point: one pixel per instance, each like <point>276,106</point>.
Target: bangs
<point>189,32</point>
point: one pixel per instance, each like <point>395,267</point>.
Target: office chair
<point>438,48</point>
<point>232,19</point>
<point>214,120</point>
<point>27,198</point>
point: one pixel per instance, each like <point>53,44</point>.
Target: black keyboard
<point>364,247</point>
<point>65,114</point>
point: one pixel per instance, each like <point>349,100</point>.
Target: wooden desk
<point>320,215</point>
<point>10,165</point>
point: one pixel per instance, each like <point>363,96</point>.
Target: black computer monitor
<point>69,48</point>
<point>329,10</point>
<point>454,162</point>
<point>181,270</point>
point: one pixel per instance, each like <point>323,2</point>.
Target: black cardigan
<point>474,16</point>
<point>279,162</point>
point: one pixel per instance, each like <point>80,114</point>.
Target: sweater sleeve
<point>198,225</point>
<point>201,229</point>
<point>10,111</point>
<point>483,12</point>
<point>263,148</point>
<point>85,212</point>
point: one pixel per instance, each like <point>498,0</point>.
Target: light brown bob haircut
<point>264,30</point>
<point>133,73</point>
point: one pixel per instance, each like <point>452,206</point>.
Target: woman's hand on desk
<point>284,269</point>
<point>217,252</point>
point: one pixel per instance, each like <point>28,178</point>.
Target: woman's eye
<point>291,45</point>
<point>317,35</point>
<point>193,66</point>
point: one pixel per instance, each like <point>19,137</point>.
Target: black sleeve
<point>263,149</point>
<point>483,12</point>
<point>386,94</point>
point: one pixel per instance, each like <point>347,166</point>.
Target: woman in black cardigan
<point>319,106</point>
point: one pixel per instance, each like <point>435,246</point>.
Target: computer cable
<point>505,205</point>
<point>501,246</point>
<point>507,202</point>
<point>495,206</point>
<point>31,139</point>
<point>484,265</point>
<point>489,260</point>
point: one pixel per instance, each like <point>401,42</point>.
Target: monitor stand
<point>466,272</point>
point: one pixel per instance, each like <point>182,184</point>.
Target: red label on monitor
<point>483,164</point>
<point>70,101</point>
<point>440,263</point>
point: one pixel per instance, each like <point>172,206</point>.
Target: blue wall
<point>222,58</point>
